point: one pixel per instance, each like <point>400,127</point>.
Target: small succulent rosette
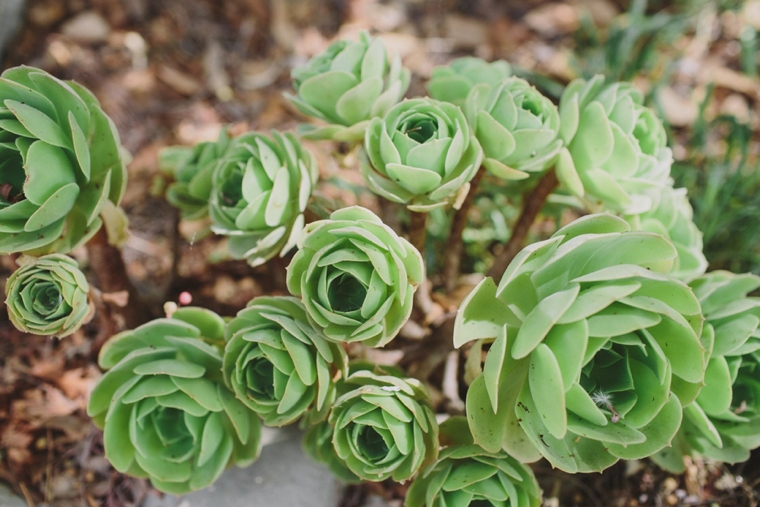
<point>517,127</point>
<point>356,276</point>
<point>47,296</point>
<point>384,426</point>
<point>192,169</point>
<point>165,412</point>
<point>318,443</point>
<point>453,82</point>
<point>422,154</point>
<point>467,475</point>
<point>278,364</point>
<point>593,349</point>
<point>616,148</point>
<point>724,422</point>
<point>672,216</point>
<point>346,86</point>
<point>259,193</point>
<point>61,161</point>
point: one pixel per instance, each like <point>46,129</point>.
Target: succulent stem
<point>533,204</point>
<point>417,223</point>
<point>109,268</point>
<point>454,247</point>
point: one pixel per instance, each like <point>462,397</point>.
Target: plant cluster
<point>607,340</point>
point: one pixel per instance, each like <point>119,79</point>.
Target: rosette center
<point>346,293</point>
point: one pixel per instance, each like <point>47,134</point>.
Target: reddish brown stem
<point>107,264</point>
<point>454,248</point>
<point>533,204</point>
<point>417,223</point>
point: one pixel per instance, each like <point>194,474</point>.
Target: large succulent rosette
<point>616,148</point>
<point>192,169</point>
<point>466,475</point>
<point>671,215</point>
<point>60,162</point>
<point>422,153</point>
<point>517,127</point>
<point>346,85</point>
<point>593,351</point>
<point>278,364</point>
<point>259,193</point>
<point>356,276</point>
<point>163,406</point>
<point>47,295</point>
<point>384,426</point>
<point>453,82</point>
<point>724,422</point>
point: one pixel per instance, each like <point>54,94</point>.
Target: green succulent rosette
<point>165,412</point>
<point>422,153</point>
<point>47,295</point>
<point>517,127</point>
<point>278,364</point>
<point>672,216</point>
<point>259,193</point>
<point>346,86</point>
<point>356,277</point>
<point>318,443</point>
<point>724,422</point>
<point>60,163</point>
<point>384,426</point>
<point>593,349</point>
<point>192,169</point>
<point>453,82</point>
<point>466,475</point>
<point>616,148</point>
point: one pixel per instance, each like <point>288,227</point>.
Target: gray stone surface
<point>7,498</point>
<point>282,477</point>
<point>10,21</point>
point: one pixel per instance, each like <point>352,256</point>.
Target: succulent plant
<point>346,85</point>
<point>61,162</point>
<point>163,406</point>
<point>603,350</point>
<point>453,82</point>
<point>422,153</point>
<point>466,475</point>
<point>278,364</point>
<point>671,215</point>
<point>318,443</point>
<point>192,169</point>
<point>47,295</point>
<point>724,421</point>
<point>356,277</point>
<point>616,148</point>
<point>384,426</point>
<point>259,192</point>
<point>517,127</point>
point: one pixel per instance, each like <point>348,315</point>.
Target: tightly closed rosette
<point>47,295</point>
<point>616,147</point>
<point>192,169</point>
<point>356,276</point>
<point>260,191</point>
<point>517,127</point>
<point>317,442</point>
<point>671,215</point>
<point>453,82</point>
<point>278,364</point>
<point>422,153</point>
<point>163,406</point>
<point>466,475</point>
<point>593,350</point>
<point>384,426</point>
<point>724,422</point>
<point>346,85</point>
<point>60,163</point>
